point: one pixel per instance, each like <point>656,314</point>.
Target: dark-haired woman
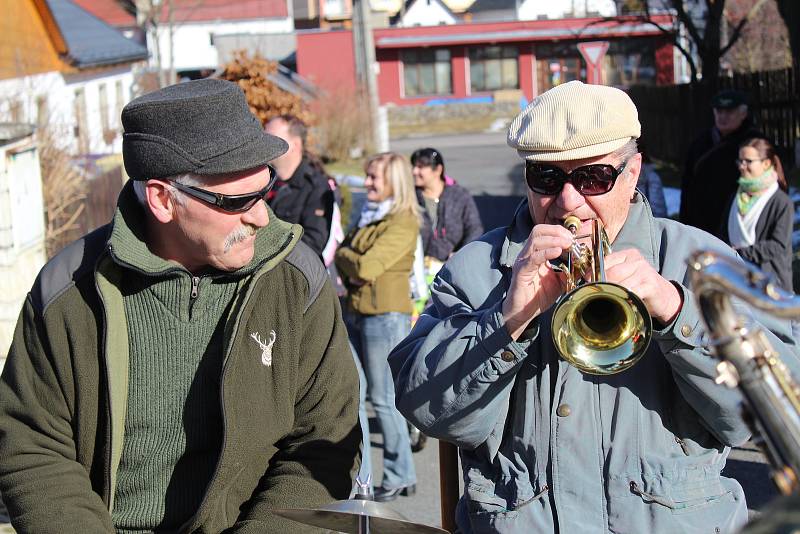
<point>450,216</point>
<point>759,223</point>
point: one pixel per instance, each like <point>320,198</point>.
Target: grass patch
<point>354,167</point>
<point>443,126</point>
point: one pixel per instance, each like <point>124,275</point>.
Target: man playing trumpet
<point>545,447</point>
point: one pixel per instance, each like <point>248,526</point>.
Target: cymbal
<point>343,516</point>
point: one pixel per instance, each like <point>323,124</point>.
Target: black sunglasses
<point>588,180</point>
<point>229,203</point>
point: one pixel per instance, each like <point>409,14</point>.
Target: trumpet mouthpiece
<point>572,223</point>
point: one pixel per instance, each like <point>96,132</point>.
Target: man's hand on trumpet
<point>535,286</point>
<point>629,269</point>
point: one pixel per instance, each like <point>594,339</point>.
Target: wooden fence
<point>672,116</point>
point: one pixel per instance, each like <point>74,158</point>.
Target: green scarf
<point>751,189</point>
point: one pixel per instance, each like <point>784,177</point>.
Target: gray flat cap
<point>203,127</point>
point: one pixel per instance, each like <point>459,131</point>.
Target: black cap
<point>728,99</point>
<point>202,127</point>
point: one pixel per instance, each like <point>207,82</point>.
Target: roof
<point>109,11</point>
<point>435,36</point>
<point>90,41</point>
<point>493,5</point>
<point>214,10</point>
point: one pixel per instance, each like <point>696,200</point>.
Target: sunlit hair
<point>626,151</point>
<point>179,197</point>
<point>428,157</point>
<point>766,150</point>
<point>397,173</point>
<point>296,127</point>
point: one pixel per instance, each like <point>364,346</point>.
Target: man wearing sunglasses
<point>544,447</point>
<point>185,367</point>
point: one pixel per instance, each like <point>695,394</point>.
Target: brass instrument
<point>747,360</point>
<point>599,327</point>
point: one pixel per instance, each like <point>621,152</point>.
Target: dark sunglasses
<point>229,203</point>
<point>588,180</point>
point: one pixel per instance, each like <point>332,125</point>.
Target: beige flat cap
<point>574,121</point>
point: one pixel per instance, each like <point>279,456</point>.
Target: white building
<point>22,251</point>
<point>188,43</point>
<point>68,71</point>
<point>426,13</point>
<point>560,9</point>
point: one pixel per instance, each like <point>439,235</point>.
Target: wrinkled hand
<point>630,270</point>
<point>535,286</point>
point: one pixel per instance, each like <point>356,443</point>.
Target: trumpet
<point>599,327</point>
<point>748,361</point>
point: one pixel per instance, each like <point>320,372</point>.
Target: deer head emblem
<point>266,348</point>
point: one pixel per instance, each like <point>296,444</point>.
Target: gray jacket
<point>545,448</point>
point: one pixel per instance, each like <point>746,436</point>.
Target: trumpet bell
<point>601,328</point>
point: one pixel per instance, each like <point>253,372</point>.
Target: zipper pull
<point>195,286</point>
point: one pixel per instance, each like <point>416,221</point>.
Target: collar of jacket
<point>301,173</point>
<point>273,244</point>
<point>128,246</point>
<point>637,232</point>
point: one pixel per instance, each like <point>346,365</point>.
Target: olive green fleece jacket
<point>381,254</point>
<point>291,434</point>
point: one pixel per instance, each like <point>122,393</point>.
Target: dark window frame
<point>420,62</point>
<point>481,56</point>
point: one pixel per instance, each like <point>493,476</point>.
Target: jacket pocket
<point>492,513</point>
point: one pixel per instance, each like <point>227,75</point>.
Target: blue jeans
<point>373,337</point>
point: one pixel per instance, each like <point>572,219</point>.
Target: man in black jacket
<point>711,175</point>
<point>302,195</point>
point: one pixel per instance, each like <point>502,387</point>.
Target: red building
<point>471,61</point>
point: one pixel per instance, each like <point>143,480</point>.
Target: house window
<point>42,111</point>
<point>630,62</point>
<point>15,111</point>
<point>102,96</point>
<point>557,64</point>
<point>120,102</point>
<point>81,128</point>
<point>427,72</point>
<point>493,67</point>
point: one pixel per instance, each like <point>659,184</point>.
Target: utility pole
<point>364,48</point>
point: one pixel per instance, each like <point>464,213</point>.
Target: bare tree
<point>764,43</point>
<point>63,189</point>
<point>157,17</point>
<point>790,11</point>
<point>701,22</point>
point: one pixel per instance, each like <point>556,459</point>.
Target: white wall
<point>193,41</point>
<point>558,9</point>
<point>427,13</point>
<point>59,91</point>
<point>22,251</point>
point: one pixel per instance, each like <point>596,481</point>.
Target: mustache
<point>239,235</point>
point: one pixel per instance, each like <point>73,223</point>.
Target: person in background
<point>450,217</point>
<point>375,261</point>
<point>760,214</point>
<point>184,368</point>
<point>302,195</point>
<point>650,184</point>
<point>710,175</point>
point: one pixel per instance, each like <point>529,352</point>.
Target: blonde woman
<point>375,261</point>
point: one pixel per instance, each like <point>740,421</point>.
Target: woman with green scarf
<point>759,223</point>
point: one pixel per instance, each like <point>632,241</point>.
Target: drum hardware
<point>360,515</point>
